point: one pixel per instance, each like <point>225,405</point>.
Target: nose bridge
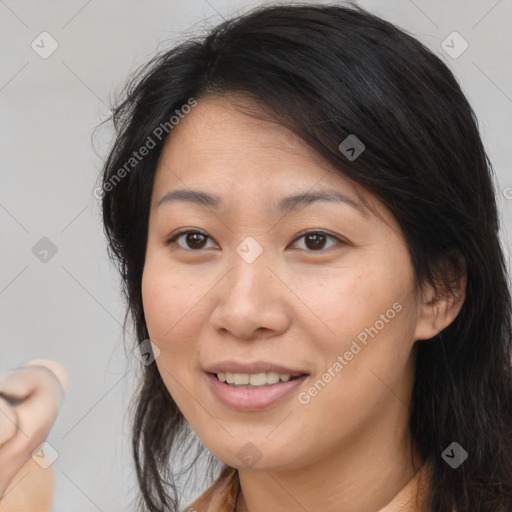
<point>250,276</point>
<point>250,297</point>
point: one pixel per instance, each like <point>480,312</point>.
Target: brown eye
<point>192,239</point>
<point>314,241</point>
<point>195,240</point>
<point>317,240</point>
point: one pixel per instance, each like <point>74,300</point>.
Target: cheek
<point>346,303</point>
<point>175,308</point>
<point>170,307</point>
<point>167,296</point>
<point>368,318</point>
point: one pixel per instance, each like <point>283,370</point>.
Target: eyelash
<point>302,235</point>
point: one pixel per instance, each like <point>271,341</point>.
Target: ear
<point>440,304</point>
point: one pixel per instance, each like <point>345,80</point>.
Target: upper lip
<point>252,367</point>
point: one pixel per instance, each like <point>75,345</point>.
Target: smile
<point>270,389</point>
<point>253,380</point>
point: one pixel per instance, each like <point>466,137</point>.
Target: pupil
<point>315,238</point>
<point>194,238</point>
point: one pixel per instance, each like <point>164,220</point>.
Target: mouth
<point>259,387</point>
<point>254,380</point>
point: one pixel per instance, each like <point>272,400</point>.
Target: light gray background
<point>70,307</point>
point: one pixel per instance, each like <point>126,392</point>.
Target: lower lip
<point>253,399</point>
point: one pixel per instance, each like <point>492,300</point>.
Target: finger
<point>17,384</point>
<point>35,417</point>
<point>39,395</point>
<point>38,413</point>
<point>8,421</point>
<point>59,370</point>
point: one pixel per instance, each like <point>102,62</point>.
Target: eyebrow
<point>284,206</point>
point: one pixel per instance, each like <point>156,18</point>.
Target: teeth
<point>258,379</point>
<point>241,378</point>
<point>253,379</point>
<point>273,378</point>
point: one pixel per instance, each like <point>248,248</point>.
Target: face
<point>318,293</point>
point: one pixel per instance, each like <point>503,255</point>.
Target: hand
<point>30,398</point>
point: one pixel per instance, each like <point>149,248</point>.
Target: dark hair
<point>325,72</point>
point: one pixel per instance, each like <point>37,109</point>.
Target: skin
<point>348,448</point>
<point>33,395</point>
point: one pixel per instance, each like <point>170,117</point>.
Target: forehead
<point>215,117</point>
<point>219,149</point>
<point>218,144</point>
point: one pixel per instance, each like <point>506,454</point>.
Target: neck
<point>364,476</point>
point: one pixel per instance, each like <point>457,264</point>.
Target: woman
<point>304,219</point>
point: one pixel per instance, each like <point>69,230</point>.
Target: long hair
<point>327,72</point>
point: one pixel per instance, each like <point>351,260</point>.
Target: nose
<point>251,301</point>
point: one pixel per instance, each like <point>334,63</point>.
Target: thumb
<point>59,370</point>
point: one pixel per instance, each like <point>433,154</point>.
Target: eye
<point>192,239</point>
<point>316,240</point>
